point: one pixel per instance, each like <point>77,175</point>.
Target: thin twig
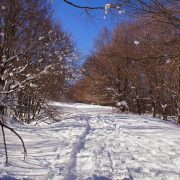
<point>4,140</point>
<point>82,7</point>
<point>12,130</point>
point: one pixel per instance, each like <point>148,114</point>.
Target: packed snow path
<point>90,142</point>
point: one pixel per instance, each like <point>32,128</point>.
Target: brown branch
<point>82,7</point>
<point>113,6</point>
<point>12,130</point>
<point>4,140</point>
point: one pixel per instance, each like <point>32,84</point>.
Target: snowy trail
<point>77,147</point>
<point>121,153</point>
<point>93,143</point>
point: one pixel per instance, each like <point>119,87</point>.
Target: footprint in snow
<point>100,178</point>
<point>58,156</point>
<point>55,149</point>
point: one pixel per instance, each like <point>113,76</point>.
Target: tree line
<point>148,59</point>
<point>36,58</point>
<point>36,62</point>
<point>136,65</point>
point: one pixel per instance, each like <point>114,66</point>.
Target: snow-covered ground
<point>90,142</point>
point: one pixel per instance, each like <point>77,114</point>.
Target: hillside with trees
<point>138,63</point>
<point>36,62</point>
<point>73,110</point>
<point>36,58</point>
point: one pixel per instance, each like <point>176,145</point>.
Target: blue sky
<point>84,28</point>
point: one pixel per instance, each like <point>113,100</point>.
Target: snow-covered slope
<point>91,142</point>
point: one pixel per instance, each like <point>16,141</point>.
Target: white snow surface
<point>90,142</point>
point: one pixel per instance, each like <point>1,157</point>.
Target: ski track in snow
<point>92,143</point>
<point>77,147</point>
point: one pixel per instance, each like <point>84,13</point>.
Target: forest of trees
<point>138,64</point>
<point>37,61</point>
<point>36,58</point>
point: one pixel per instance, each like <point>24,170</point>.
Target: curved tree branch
<point>4,141</point>
<point>82,7</point>
<point>12,130</point>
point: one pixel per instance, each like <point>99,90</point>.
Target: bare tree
<point>136,64</point>
<point>35,55</point>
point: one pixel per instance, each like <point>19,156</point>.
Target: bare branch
<point>4,140</point>
<point>82,7</point>
<point>12,130</point>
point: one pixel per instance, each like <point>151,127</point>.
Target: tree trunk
<point>138,106</point>
<point>154,109</point>
<point>178,103</point>
<point>164,115</point>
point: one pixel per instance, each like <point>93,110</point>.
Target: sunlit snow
<point>90,142</point>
